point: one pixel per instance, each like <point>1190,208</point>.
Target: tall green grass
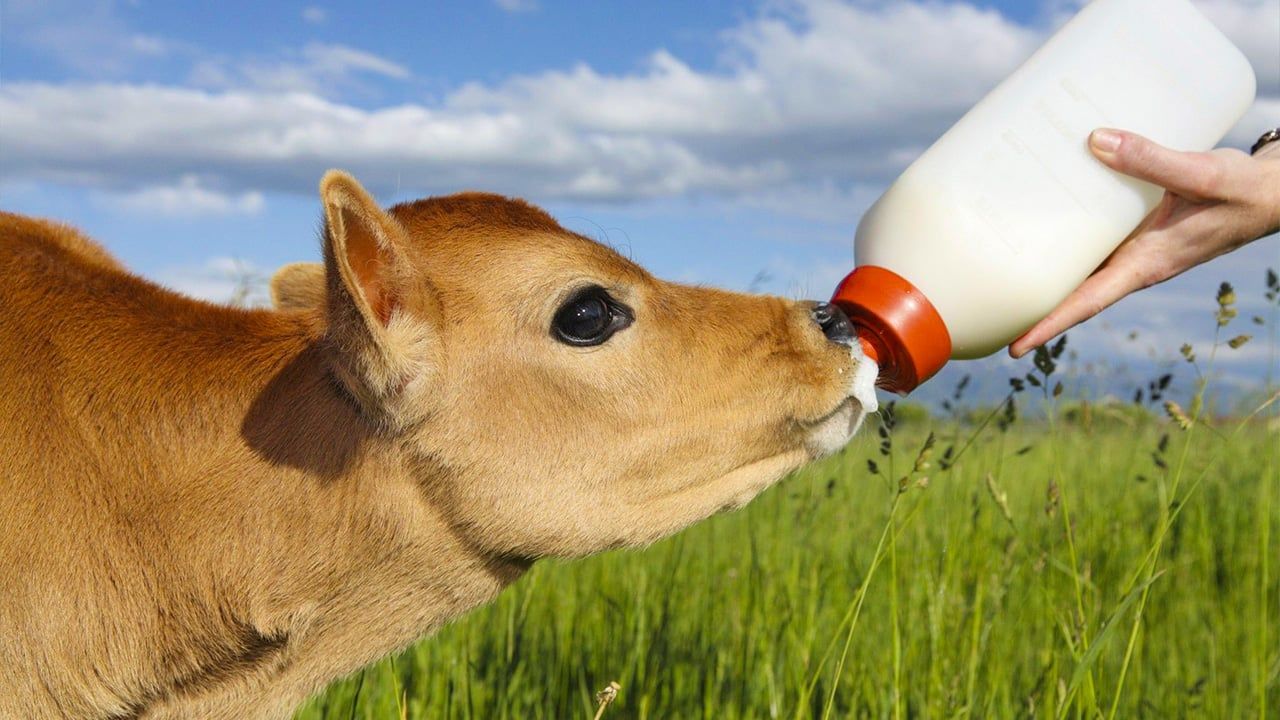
<point>1041,558</point>
<point>974,613</point>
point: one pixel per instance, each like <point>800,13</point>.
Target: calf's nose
<point>834,323</point>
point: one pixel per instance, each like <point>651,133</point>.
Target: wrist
<point>1266,163</point>
<point>1269,163</point>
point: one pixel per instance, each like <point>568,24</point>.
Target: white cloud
<point>825,90</point>
<point>319,69</point>
<point>1254,26</point>
<point>315,15</point>
<point>189,197</point>
<point>138,135</point>
<point>335,60</point>
<point>517,6</point>
<point>220,280</point>
<point>147,45</point>
<point>815,103</point>
<point>822,93</point>
<point>86,36</point>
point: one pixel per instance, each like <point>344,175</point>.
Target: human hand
<point>1214,202</point>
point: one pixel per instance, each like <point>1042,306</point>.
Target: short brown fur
<point>213,512</point>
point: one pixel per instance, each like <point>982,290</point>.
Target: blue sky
<point>730,143</point>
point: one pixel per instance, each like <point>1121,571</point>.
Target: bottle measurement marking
<point>1011,138</point>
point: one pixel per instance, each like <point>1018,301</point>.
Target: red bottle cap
<point>897,326</point>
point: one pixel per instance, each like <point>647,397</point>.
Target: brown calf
<point>213,512</point>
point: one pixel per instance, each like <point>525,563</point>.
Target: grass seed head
<point>926,450</point>
<point>1226,295</point>
<point>606,696</point>
<point>1000,497</point>
<point>1226,304</point>
<point>1051,498</point>
<point>1044,361</point>
<point>945,461</point>
<point>1177,414</point>
<point>1056,351</point>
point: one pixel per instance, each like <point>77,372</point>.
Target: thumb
<point>1102,289</point>
<point>1190,175</point>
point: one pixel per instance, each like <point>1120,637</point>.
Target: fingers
<point>1097,293</point>
<point>1195,176</point>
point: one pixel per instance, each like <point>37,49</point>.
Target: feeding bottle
<point>1008,212</point>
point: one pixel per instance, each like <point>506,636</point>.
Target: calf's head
<point>555,398</point>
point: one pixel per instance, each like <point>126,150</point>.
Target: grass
<point>978,616</point>
<point>1037,559</point>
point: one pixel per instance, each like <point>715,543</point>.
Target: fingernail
<point>1103,140</point>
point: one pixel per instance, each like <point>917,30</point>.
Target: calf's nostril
<point>834,323</point>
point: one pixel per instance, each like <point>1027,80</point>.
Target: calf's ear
<point>361,243</point>
<point>377,351</point>
<point>298,286</point>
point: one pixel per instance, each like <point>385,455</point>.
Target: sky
<point>733,143</point>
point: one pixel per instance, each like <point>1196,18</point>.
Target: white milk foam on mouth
<point>835,430</point>
<point>862,386</point>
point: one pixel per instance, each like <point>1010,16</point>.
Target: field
<point>1057,559</point>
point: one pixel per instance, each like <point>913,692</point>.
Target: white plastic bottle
<point>1008,212</point>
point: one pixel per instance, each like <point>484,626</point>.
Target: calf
<point>213,512</point>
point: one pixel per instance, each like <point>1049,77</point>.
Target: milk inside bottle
<point>1008,212</point>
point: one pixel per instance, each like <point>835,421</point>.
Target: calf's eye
<point>589,317</point>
